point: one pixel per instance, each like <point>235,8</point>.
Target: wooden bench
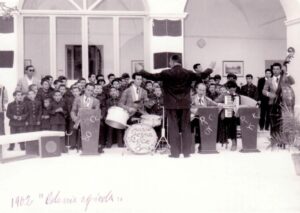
<point>37,144</point>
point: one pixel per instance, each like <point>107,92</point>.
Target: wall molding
<point>292,21</point>
<point>232,37</point>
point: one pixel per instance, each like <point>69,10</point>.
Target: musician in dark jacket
<point>155,107</point>
<point>114,135</point>
<point>58,111</point>
<point>264,121</point>
<point>177,101</point>
<point>249,90</point>
<point>34,112</point>
<point>17,114</point>
<point>101,97</point>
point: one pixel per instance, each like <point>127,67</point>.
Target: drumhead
<point>117,117</point>
<point>150,116</point>
<point>140,139</point>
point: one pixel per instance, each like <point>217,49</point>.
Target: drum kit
<point>139,138</point>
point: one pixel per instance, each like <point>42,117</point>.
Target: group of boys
<point>53,106</point>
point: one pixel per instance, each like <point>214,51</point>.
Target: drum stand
<point>162,144</point>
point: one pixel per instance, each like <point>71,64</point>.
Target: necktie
<point>137,93</point>
<point>86,101</point>
<point>277,80</point>
<point>201,101</point>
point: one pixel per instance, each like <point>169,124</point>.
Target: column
<point>163,33</point>
<point>292,12</point>
<point>293,35</point>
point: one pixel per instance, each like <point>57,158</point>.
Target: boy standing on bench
<point>17,114</point>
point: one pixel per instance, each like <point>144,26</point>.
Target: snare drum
<point>140,139</point>
<point>117,117</point>
<point>151,120</point>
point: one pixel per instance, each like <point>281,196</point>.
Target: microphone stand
<point>163,139</point>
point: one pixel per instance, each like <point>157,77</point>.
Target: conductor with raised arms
<point>177,102</point>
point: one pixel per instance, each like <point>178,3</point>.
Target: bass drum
<point>140,139</point>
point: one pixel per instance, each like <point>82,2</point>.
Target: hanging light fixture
<point>6,11</point>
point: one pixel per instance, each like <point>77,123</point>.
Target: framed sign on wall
<point>27,62</point>
<point>135,62</point>
<point>235,67</point>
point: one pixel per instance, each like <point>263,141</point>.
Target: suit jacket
<point>260,86</point>
<point>270,89</point>
<point>127,98</point>
<point>79,103</point>
<point>22,84</point>
<point>155,105</point>
<point>34,111</point>
<point>177,85</point>
<point>18,109</point>
<point>196,104</point>
<point>58,118</point>
<point>249,90</point>
<point>42,95</point>
<point>102,99</point>
<point>45,119</point>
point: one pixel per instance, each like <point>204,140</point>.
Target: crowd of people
<point>48,104</point>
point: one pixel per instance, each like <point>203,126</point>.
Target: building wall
<point>232,31</point>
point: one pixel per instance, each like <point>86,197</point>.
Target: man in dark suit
<point>264,121</point>
<point>177,101</point>
<point>249,89</point>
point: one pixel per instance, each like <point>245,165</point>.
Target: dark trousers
<point>275,121</point>
<point>196,133</point>
<point>114,135</point>
<point>2,129</point>
<point>33,128</point>
<point>102,133</point>
<point>276,125</point>
<point>45,124</point>
<point>75,138</point>
<point>14,130</point>
<point>179,121</point>
<point>264,121</point>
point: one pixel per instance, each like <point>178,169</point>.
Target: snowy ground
<point>119,181</point>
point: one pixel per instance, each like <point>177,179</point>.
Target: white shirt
<point>201,100</point>
<point>135,92</point>
<point>274,80</point>
<point>87,101</point>
<point>29,81</point>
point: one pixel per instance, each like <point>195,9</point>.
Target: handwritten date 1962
<point>59,198</point>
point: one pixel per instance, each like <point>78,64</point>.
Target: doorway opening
<point>74,60</point>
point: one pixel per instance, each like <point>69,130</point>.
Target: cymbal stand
<point>162,144</point>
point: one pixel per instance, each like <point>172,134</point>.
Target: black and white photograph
<point>149,106</point>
